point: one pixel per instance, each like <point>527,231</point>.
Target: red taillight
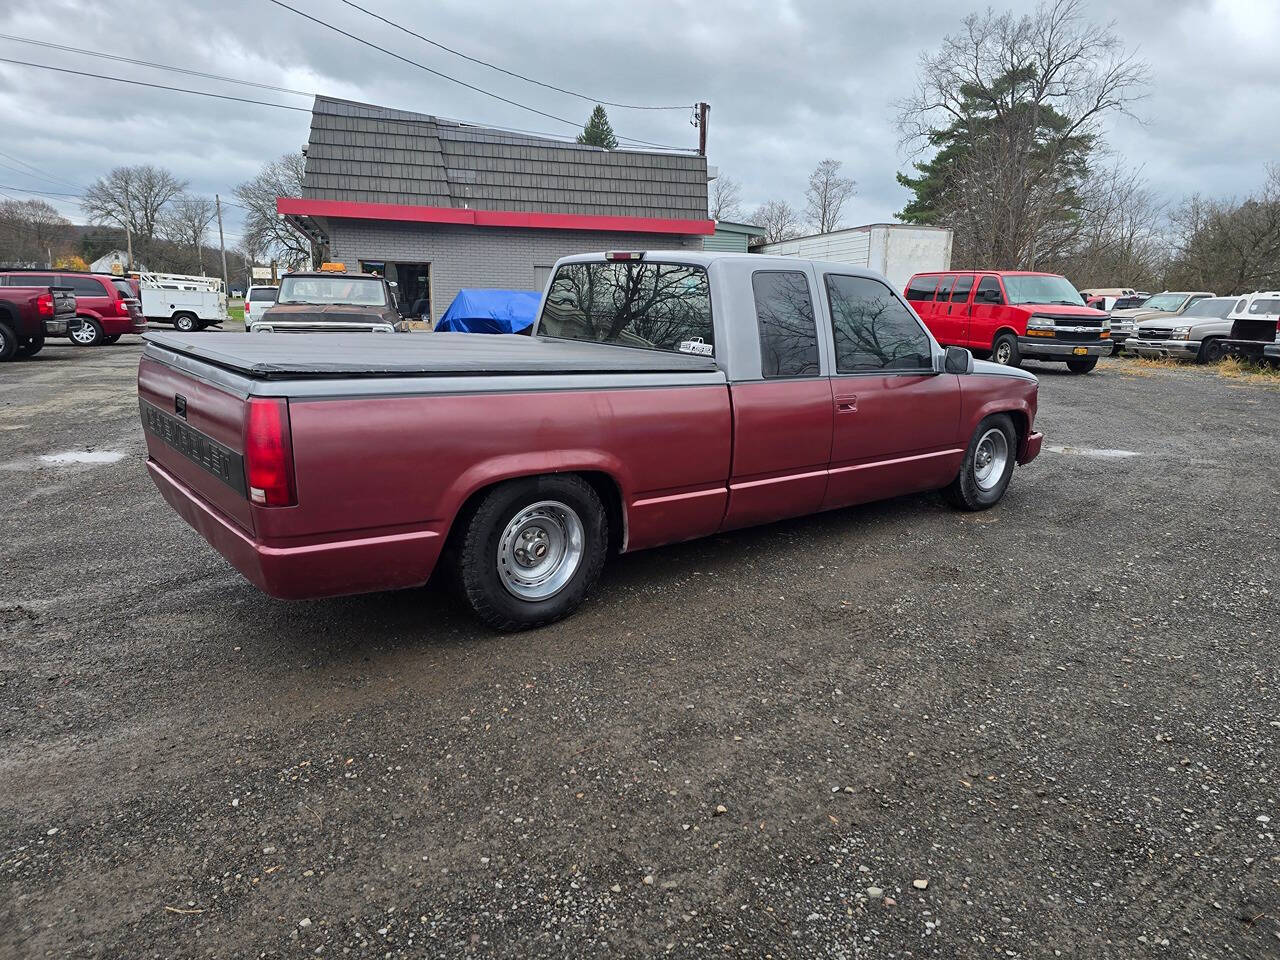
<point>122,307</point>
<point>44,305</point>
<point>268,453</point>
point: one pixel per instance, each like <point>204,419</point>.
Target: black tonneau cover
<point>285,356</point>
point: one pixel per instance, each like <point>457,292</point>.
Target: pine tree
<point>598,132</point>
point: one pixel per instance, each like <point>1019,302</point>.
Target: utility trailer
<point>190,303</point>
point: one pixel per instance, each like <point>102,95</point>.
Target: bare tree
<point>1229,246</point>
<point>1012,107</point>
<point>186,224</point>
<point>725,200</point>
<point>778,219</point>
<point>133,197</point>
<point>271,233</point>
<point>826,195</point>
<point>29,230</point>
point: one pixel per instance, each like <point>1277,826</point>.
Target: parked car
<point>1199,333</point>
<point>1167,304</point>
<point>1012,316</point>
<point>1104,298</point>
<point>106,304</point>
<point>258,301</point>
<point>29,314</point>
<point>188,302</point>
<point>330,301</point>
<point>662,397</point>
<point>1255,327</point>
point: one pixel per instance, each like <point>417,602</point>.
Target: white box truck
<point>188,302</point>
<point>898,251</point>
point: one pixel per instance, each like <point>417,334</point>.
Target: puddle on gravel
<point>1087,452</point>
<point>83,456</point>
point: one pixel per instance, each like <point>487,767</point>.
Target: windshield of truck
<point>1165,301</point>
<point>323,291</point>
<point>657,306</point>
<point>1211,307</point>
<point>1042,288</point>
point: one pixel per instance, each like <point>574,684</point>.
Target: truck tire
<point>89,334</point>
<point>1083,365</point>
<point>987,465</point>
<point>186,322</point>
<point>1005,350</point>
<point>30,346</point>
<point>111,338</point>
<point>8,343</point>
<point>1211,351</point>
<point>531,550</point>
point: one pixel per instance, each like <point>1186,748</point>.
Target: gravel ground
<point>892,731</point>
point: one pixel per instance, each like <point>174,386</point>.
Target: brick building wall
<point>494,257</point>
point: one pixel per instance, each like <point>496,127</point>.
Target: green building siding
<point>731,237</point>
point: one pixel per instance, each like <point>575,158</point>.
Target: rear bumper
<point>1272,352</point>
<point>1250,349</point>
<point>62,326</point>
<point>1031,447</point>
<point>337,567</point>
<point>1187,349</point>
<point>1041,347</point>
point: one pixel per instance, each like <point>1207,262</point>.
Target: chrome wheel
<point>990,459</point>
<point>86,335</point>
<point>540,550</point>
<point>1003,352</point>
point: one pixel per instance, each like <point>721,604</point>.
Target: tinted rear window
<point>655,306</point>
<point>263,293</point>
<point>1261,306</point>
<point>123,286</point>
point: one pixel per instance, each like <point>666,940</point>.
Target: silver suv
<point>1198,333</point>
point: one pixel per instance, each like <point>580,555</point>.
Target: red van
<point>1012,315</point>
<point>107,304</point>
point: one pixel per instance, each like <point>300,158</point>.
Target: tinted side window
<point>960,292</point>
<point>986,288</point>
<point>788,329</point>
<point>872,328</point>
<point>31,280</point>
<point>944,288</point>
<point>84,286</point>
<point>921,288</point>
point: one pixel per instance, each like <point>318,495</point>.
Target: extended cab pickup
<point>29,314</point>
<point>662,397</point>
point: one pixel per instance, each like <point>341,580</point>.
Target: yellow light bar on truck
<point>331,267</point>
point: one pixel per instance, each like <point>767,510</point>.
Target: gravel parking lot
<point>1046,730</point>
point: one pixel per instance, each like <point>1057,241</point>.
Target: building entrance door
<point>413,282</point>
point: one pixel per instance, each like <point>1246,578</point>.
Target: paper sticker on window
<point>697,346</point>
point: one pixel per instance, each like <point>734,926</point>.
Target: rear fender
<point>495,470</point>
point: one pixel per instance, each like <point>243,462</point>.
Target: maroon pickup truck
<point>662,397</point>
<point>29,314</point>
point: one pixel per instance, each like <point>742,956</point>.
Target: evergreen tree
<point>598,132</point>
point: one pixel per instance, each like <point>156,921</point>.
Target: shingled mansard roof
<point>367,154</point>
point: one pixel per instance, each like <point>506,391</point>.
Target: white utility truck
<point>188,302</point>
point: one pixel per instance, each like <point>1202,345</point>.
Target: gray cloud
<point>789,83</point>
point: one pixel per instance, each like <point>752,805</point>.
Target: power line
<point>154,66</point>
<point>510,73</point>
<point>43,176</point>
<point>42,193</point>
<point>445,76</point>
<point>154,86</point>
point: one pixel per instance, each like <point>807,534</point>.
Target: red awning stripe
<point>348,210</point>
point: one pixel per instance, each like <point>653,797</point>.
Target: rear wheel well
<point>602,483</point>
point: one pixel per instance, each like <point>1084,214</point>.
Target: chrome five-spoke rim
<point>990,459</point>
<point>540,550</point>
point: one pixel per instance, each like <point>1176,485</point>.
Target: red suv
<point>1012,315</point>
<point>106,304</point>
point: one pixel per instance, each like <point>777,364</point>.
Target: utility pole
<point>701,123</point>
<point>226,283</point>
<point>128,231</point>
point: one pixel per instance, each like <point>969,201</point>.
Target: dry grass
<point>1232,368</point>
<point>1237,369</point>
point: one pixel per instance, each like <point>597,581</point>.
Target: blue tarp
<point>491,311</point>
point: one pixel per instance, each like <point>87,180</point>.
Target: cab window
<point>989,291</point>
<point>788,329</point>
<point>873,329</point>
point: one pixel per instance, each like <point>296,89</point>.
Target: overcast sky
<point>789,84</point>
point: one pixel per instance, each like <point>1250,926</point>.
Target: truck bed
<point>270,356</point>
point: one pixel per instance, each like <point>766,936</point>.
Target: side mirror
<point>957,360</point>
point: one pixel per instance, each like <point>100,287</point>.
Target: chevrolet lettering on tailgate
<point>205,452</point>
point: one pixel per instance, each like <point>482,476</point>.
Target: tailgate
<point>195,431</point>
<point>64,302</point>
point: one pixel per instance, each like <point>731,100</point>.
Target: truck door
<point>896,421</point>
<point>781,421</point>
